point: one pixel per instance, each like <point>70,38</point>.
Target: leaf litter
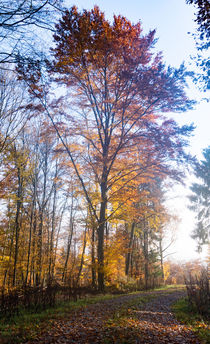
<point>127,319</point>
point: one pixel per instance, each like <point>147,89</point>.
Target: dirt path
<point>122,320</point>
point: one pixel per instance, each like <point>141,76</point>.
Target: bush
<point>199,292</point>
<point>38,298</point>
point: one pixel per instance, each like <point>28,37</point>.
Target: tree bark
<point>161,259</point>
<point>42,207</point>
<point>30,240</point>
<point>17,223</point>
<point>101,230</point>
<point>93,260</point>
<point>128,258</point>
<point>82,257</point>
<point>52,229</point>
<point>68,244</point>
<point>146,258</point>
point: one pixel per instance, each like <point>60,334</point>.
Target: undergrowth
<point>187,314</point>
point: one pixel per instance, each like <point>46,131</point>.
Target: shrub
<point>198,291</point>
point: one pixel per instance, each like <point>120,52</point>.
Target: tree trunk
<point>93,260</point>
<point>17,225</point>
<point>101,230</point>
<point>41,218</point>
<point>82,258</point>
<point>10,227</point>
<point>39,249</point>
<point>161,259</point>
<point>33,249</point>
<point>101,256</point>
<point>33,209</point>
<point>52,231</point>
<point>146,258</point>
<point>57,236</point>
<point>69,243</point>
<point>128,258</point>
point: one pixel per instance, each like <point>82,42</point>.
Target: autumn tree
<point>15,176</point>
<point>147,229</point>
<point>111,124</point>
<point>165,238</point>
<point>200,200</point>
<point>33,204</point>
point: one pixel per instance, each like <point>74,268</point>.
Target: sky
<point>173,21</point>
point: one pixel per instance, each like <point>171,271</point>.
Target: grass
<point>27,325</point>
<point>194,321</point>
<point>172,286</point>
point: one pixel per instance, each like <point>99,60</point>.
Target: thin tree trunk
<point>161,259</point>
<point>131,265</point>
<point>101,229</point>
<point>128,258</point>
<point>52,230</point>
<point>30,232</point>
<point>82,257</point>
<point>71,225</point>
<point>33,249</point>
<point>93,260</point>
<point>10,247</point>
<point>57,236</point>
<point>17,224</point>
<point>41,219</point>
<point>39,249</point>
<point>146,257</point>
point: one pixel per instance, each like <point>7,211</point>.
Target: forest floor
<point>144,317</point>
<point>138,318</point>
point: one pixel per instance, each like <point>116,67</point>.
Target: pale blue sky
<point>173,20</point>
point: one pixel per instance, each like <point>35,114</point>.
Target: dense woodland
<point>87,155</point>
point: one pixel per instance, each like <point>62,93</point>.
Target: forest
<point>88,153</point>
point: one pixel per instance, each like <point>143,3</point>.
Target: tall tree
<point>200,200</point>
<point>116,90</point>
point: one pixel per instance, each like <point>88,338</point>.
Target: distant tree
<point>200,200</point>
